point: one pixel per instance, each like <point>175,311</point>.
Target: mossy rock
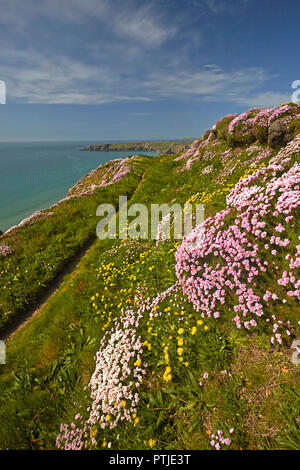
<point>261,133</point>
<point>280,133</point>
<point>295,126</point>
<point>243,135</point>
<point>222,127</point>
<point>291,103</point>
<point>292,112</point>
<point>260,127</point>
<point>243,131</point>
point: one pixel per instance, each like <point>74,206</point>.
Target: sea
<point>35,175</point>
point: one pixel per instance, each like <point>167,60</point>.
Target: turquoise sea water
<point>35,175</point>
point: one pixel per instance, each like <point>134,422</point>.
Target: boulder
<point>280,132</point>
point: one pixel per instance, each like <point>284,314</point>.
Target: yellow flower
<point>152,442</point>
<point>107,417</point>
<point>180,331</point>
<point>194,329</point>
<point>199,322</point>
<point>180,341</point>
<point>179,351</point>
<point>138,363</point>
<point>94,432</point>
<point>206,328</point>
<point>136,420</point>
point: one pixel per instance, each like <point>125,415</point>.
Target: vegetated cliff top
<point>194,350</point>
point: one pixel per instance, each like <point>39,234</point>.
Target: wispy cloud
<point>127,51</point>
<point>211,83</point>
<point>227,7</point>
<point>145,25</point>
<point>32,78</point>
<point>62,81</point>
<point>265,99</point>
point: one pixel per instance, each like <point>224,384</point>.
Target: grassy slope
<point>252,386</point>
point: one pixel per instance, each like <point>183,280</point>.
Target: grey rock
<point>280,133</point>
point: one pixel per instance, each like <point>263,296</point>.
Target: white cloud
<point>20,13</point>
<point>60,80</point>
<point>33,78</point>
<point>266,99</point>
<point>144,25</point>
<point>210,83</point>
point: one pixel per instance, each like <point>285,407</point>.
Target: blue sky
<point>136,69</point>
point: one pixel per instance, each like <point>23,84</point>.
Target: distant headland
<point>160,147</point>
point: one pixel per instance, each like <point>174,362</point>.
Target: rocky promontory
<point>160,147</point>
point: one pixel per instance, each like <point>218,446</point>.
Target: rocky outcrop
<point>107,173</point>
<point>272,126</point>
<point>280,133</point>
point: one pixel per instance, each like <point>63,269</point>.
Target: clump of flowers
<point>194,148</point>
<point>5,249</point>
<point>118,374</point>
<point>240,128</point>
<point>218,439</point>
<point>232,248</point>
<point>114,385</point>
<point>260,124</point>
<point>72,437</point>
<point>285,110</point>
